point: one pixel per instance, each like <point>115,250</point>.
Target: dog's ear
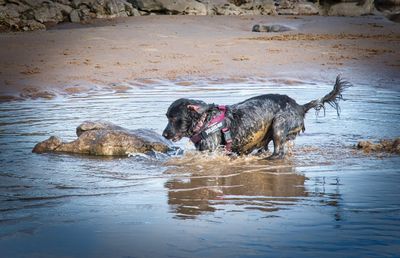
<point>198,108</point>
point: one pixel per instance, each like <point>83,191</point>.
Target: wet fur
<point>254,123</point>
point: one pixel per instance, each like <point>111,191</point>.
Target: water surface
<point>325,199</point>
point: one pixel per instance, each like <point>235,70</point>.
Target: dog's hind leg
<point>279,132</point>
<point>285,127</point>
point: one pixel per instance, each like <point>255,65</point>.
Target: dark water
<point>325,199</point>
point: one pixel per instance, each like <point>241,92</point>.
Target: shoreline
<point>106,54</point>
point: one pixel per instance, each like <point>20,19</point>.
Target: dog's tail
<point>332,98</point>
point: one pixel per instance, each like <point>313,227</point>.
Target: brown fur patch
<point>256,139</point>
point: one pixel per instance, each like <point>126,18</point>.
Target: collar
<point>217,123</point>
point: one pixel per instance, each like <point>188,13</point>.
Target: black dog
<point>248,125</point>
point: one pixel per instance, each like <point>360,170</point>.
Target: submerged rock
<point>391,146</point>
<point>107,139</point>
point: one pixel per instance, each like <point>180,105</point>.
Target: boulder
<point>89,9</point>
<point>64,2</point>
<point>74,16</point>
<point>260,7</point>
<point>190,7</point>
<point>10,17</point>
<point>34,25</point>
<point>228,9</point>
<point>12,10</point>
<point>301,7</point>
<point>33,3</point>
<point>106,139</point>
<point>48,13</point>
<point>351,8</point>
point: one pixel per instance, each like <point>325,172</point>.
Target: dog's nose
<point>165,134</point>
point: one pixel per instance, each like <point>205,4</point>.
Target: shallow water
<point>325,199</point>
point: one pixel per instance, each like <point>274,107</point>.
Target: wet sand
<point>119,54</point>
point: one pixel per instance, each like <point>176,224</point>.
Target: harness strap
<point>215,124</point>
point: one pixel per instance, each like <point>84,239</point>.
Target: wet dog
<point>247,126</point>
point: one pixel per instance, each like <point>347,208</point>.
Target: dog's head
<point>183,115</point>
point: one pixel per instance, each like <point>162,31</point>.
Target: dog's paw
<point>276,156</point>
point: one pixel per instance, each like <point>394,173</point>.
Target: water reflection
<point>242,184</point>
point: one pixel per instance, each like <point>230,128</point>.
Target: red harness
<point>216,123</point>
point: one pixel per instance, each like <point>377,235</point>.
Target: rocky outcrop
<point>263,7</point>
<point>38,14</point>
<point>106,139</point>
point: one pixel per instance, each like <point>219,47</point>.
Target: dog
<point>246,126</point>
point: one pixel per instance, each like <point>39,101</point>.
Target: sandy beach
<point>115,54</point>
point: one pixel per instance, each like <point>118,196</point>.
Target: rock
<point>351,8</point>
<point>34,3</point>
<point>34,93</point>
<point>190,7</point>
<point>88,9</point>
<point>34,25</point>
<point>10,11</point>
<point>9,18</point>
<point>64,2</point>
<point>48,145</point>
<point>74,16</point>
<point>85,14</point>
<point>228,9</point>
<point>77,3</point>
<point>48,13</point>
<point>301,7</point>
<point>104,138</point>
<point>26,14</point>
<point>64,9</point>
<point>270,28</point>
<point>96,125</point>
<point>394,17</point>
<point>307,9</point>
<point>391,146</point>
<point>260,7</point>
<point>390,8</point>
<point>240,7</point>
<point>17,7</point>
<point>135,12</point>
<point>115,7</point>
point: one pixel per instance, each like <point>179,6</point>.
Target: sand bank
<point>115,54</point>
